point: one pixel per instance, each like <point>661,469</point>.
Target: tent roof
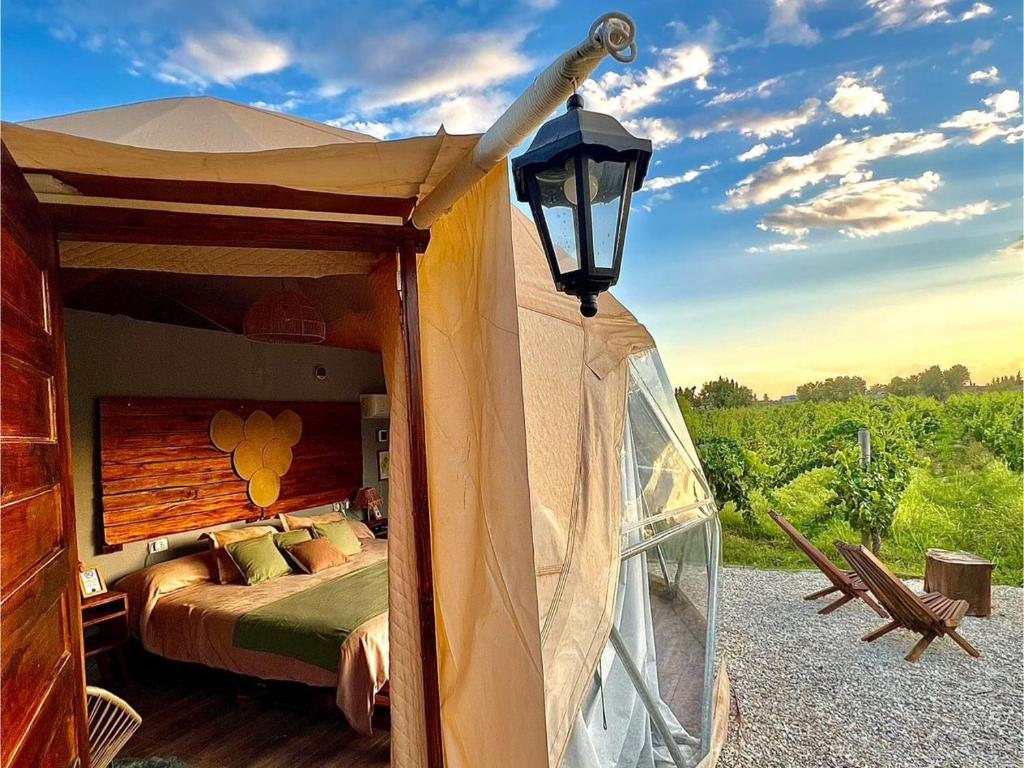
<point>138,187</point>
<point>197,124</point>
<point>203,139</point>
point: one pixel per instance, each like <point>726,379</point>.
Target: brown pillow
<point>361,529</point>
<point>226,570</point>
<point>295,522</point>
<point>315,555</point>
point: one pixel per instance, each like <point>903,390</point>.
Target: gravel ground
<point>809,693</point>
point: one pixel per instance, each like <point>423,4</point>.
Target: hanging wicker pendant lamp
<point>284,317</point>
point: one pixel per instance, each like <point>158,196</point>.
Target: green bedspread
<point>312,625</point>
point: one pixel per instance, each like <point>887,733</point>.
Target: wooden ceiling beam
<point>230,193</point>
<point>128,225</point>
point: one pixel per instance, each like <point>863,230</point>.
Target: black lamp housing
<point>584,156</point>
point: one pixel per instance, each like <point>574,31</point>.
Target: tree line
<point>934,382</point>
<point>757,452</point>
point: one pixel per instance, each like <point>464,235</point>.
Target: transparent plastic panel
<point>677,577</point>
<point>650,702</point>
<point>673,489</point>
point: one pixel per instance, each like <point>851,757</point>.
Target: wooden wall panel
<point>161,474</point>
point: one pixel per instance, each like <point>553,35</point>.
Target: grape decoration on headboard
<point>260,448</point>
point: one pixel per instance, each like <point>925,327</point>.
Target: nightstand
<point>105,631</point>
<point>379,528</point>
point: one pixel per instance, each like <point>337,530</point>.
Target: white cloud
<point>840,157</point>
<point>895,14</point>
<point>990,75</point>
<point>661,183</point>
<point>282,106</point>
<point>386,59</point>
<point>908,14</point>
<point>661,132</point>
<point>998,120</point>
<point>470,113</point>
<point>467,113</point>
<point>794,245</point>
<point>980,46</point>
<point>377,128</point>
<point>870,208</point>
<point>541,5</point>
<point>95,42</point>
<point>756,151</point>
<point>626,93</point>
<point>754,123</point>
<point>855,99</point>
<point>65,33</point>
<point>411,68</point>
<point>224,58</point>
<point>1014,252</point>
<point>787,24</point>
<point>762,89</point>
<point>759,124</point>
<point>977,11</point>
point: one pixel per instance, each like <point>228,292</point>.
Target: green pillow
<point>286,539</point>
<point>341,535</point>
<point>258,559</point>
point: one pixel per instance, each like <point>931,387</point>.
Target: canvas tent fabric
<point>197,124</point>
<point>487,624</point>
<point>210,140</point>
<point>402,168</point>
<point>526,417</point>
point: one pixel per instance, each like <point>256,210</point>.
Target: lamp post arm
<point>612,34</point>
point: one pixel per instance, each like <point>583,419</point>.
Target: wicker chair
<point>111,723</point>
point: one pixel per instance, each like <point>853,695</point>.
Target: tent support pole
<point>612,34</point>
<point>653,711</point>
<point>421,504</point>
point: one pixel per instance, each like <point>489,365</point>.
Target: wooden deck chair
<point>846,582</point>
<point>930,615</point>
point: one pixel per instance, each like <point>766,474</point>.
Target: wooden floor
<point>211,719</point>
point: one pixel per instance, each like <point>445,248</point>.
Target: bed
<point>328,629</point>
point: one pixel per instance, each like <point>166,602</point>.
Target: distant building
<point>788,399</point>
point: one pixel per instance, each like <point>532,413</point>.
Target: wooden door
<point>42,712</point>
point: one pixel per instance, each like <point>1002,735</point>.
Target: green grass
<point>962,499</point>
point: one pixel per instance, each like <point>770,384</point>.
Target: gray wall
<point>118,356</point>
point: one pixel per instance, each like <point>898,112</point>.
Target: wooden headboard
<point>161,474</point>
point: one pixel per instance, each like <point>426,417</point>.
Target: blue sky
<point>837,184</point>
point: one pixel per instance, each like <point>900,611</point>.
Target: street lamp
<point>578,176</point>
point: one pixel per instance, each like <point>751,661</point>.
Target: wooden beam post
<point>421,503</point>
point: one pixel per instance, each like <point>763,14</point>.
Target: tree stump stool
<point>960,576</point>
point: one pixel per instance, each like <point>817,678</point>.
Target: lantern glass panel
<point>607,182</point>
<point>558,197</point>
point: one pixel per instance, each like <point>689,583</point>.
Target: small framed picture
<point>382,435</point>
<point>91,581</point>
<point>383,465</point>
